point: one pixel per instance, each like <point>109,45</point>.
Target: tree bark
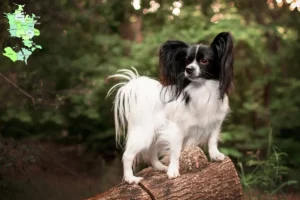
<point>199,179</point>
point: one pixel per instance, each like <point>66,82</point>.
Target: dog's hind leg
<point>128,158</point>
<point>157,165</point>
<point>137,140</point>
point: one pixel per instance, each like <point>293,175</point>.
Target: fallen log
<point>199,179</point>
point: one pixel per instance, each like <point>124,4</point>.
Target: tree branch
<point>20,89</point>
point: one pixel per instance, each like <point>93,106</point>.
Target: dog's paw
<point>172,173</point>
<point>163,168</point>
<point>160,167</point>
<point>216,156</point>
<point>133,179</point>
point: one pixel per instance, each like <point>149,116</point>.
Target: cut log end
<point>199,179</point>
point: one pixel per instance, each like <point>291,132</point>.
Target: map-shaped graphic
<point>21,26</point>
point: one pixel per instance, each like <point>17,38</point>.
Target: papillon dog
<point>185,108</point>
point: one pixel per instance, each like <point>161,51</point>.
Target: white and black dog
<point>186,108</point>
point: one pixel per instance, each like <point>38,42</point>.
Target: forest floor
<point>39,169</point>
<point>45,170</point>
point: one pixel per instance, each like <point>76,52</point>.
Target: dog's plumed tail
<point>134,102</point>
<point>123,99</point>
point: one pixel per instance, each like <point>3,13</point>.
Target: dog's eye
<point>188,61</point>
<point>203,61</point>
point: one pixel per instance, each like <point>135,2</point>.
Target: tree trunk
<point>199,179</point>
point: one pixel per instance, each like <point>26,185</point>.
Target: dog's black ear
<point>222,46</point>
<point>172,55</point>
<point>171,61</point>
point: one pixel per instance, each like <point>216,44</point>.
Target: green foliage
<point>268,175</point>
<point>85,41</point>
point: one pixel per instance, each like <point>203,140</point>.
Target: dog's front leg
<point>175,138</point>
<point>214,153</point>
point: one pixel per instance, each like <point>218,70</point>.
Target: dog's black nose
<point>189,70</point>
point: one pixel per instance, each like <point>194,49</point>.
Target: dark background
<point>57,132</point>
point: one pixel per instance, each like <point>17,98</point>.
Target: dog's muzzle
<point>190,69</point>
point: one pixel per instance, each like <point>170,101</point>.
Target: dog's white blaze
<point>196,53</point>
<point>194,63</point>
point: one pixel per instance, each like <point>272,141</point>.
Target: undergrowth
<point>268,177</point>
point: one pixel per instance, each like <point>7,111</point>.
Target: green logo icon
<point>21,25</point>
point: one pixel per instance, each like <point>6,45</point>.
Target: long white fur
<point>153,127</point>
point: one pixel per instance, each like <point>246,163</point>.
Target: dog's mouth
<point>191,77</point>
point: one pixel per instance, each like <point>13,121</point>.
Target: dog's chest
<point>203,109</point>
<point>205,101</point>
<point>207,109</point>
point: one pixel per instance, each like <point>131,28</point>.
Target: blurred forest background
<point>57,132</point>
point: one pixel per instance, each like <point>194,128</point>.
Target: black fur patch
<point>187,98</point>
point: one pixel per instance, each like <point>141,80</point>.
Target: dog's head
<point>181,63</point>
